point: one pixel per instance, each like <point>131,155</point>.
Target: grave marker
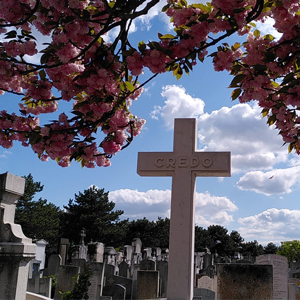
<point>280,274</point>
<point>184,164</point>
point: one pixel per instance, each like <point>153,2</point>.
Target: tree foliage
<point>100,79</point>
<point>92,211</point>
<point>291,250</point>
<point>151,233</point>
<point>39,219</point>
<point>271,248</point>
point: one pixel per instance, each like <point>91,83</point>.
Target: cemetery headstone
<point>162,268</point>
<point>40,252</point>
<point>65,280</point>
<point>16,249</point>
<point>184,164</point>
<point>128,253</point>
<point>244,281</point>
<point>293,289</point>
<point>148,264</point>
<point>137,245</point>
<point>204,294</point>
<point>112,287</point>
<point>41,286</point>
<point>280,274</point>
<point>205,282</point>
<point>147,253</point>
<point>96,280</point>
<point>124,269</point>
<point>147,284</point>
<point>135,269</point>
<point>54,261</point>
<point>63,250</point>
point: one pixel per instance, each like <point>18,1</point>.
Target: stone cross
<point>184,164</point>
<point>82,236</point>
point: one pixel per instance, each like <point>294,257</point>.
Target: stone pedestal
<point>16,250</point>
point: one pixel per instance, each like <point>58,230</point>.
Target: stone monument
<point>184,164</point>
<point>16,250</point>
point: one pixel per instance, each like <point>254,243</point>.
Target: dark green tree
<point>271,248</point>
<point>222,243</point>
<point>252,248</point>
<point>151,233</point>
<point>202,239</point>
<point>93,211</point>
<point>39,219</point>
<point>142,229</point>
<point>237,241</point>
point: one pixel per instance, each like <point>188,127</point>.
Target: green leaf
<point>275,84</point>
<point>237,79</point>
<point>272,120</point>
<point>11,35</point>
<point>235,93</point>
<point>42,74</point>
<point>141,46</point>
<point>165,8</point>
<point>129,86</point>
<point>256,33</point>
<point>291,146</point>
<point>288,78</point>
<point>201,6</point>
<point>269,37</point>
<point>265,112</point>
<point>235,46</point>
<point>182,3</point>
<point>167,36</point>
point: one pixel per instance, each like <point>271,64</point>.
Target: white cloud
<point>241,130</point>
<point>278,181</point>
<point>209,209</point>
<point>212,210</point>
<point>178,104</point>
<point>271,225</point>
<point>266,27</point>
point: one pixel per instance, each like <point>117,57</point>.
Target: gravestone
<point>128,253</point>
<point>65,280</point>
<point>148,264</point>
<point>63,250</point>
<point>280,274</point>
<point>40,252</point>
<point>205,294</point>
<point>41,286</point>
<point>147,253</point>
<point>293,289</point>
<point>112,286</point>
<point>16,249</point>
<point>96,280</point>
<point>184,164</point>
<point>157,253</point>
<point>54,261</point>
<point>124,269</point>
<point>244,281</point>
<point>162,268</point>
<point>205,282</point>
<point>147,284</point>
<point>137,245</point>
<point>135,269</point>
<point>110,255</point>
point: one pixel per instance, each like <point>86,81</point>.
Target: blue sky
<point>260,200</point>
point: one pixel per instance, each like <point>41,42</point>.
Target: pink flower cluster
<point>84,69</point>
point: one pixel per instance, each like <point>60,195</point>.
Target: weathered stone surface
<point>280,274</point>
<point>244,282</point>
<point>147,284</point>
<point>184,164</point>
